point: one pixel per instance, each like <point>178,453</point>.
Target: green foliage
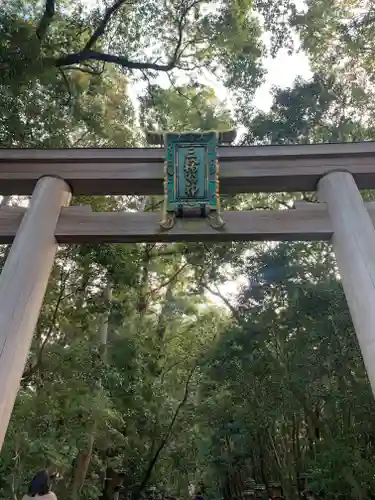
<point>310,112</point>
<point>183,108</point>
<point>338,36</point>
<point>132,368</point>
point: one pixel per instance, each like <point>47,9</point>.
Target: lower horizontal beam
<point>307,222</point>
<point>81,225</point>
<point>121,227</point>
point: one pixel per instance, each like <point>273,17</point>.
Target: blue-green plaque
<point>191,181</point>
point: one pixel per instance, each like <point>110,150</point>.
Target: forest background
<point>135,372</point>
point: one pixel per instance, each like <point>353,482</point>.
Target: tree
<point>183,108</point>
<point>160,37</point>
<point>310,112</point>
<point>45,107</point>
<point>339,38</point>
<point>134,377</point>
<point>280,396</point>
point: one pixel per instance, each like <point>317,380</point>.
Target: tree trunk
<point>143,290</point>
<point>112,484</point>
<point>84,458</point>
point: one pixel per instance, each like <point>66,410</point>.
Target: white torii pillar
<point>354,244</point>
<point>23,283</point>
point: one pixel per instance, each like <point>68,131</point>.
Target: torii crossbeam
<point>243,169</point>
<point>336,171</point>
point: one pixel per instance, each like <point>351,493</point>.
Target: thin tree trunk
<point>137,493</point>
<point>144,279</point>
<point>84,458</point>
<point>163,316</point>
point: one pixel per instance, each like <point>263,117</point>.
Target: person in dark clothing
<point>198,496</point>
<point>40,484</point>
<point>40,487</point>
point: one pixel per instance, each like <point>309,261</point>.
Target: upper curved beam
<point>243,169</point>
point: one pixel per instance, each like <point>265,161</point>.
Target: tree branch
<point>123,61</point>
<point>38,362</point>
<point>169,280</point>
<point>80,138</point>
<point>100,30</point>
<point>165,439</point>
<point>66,81</point>
<point>232,309</point>
<point>87,54</point>
<point>49,12</point>
<point>170,368</point>
<point>84,69</point>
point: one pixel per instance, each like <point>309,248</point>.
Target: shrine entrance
<point>190,172</point>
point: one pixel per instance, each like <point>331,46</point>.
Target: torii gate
<point>337,171</point>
